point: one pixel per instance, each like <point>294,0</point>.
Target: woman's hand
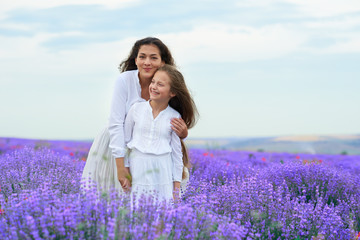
<point>124,178</point>
<point>176,192</point>
<point>180,128</point>
<point>123,174</point>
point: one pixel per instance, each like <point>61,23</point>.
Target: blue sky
<point>255,68</point>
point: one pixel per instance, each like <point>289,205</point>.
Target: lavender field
<point>231,195</point>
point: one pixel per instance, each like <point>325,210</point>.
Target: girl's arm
<point>178,165</point>
<point>180,128</point>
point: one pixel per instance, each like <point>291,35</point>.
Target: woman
<point>105,163</point>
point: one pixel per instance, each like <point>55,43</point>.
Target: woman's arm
<point>176,191</point>
<point>128,129</point>
<point>122,163</point>
<point>116,130</point>
<point>117,118</point>
<point>123,173</point>
<point>176,155</point>
<point>180,128</point>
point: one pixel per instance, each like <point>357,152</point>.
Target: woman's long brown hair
<point>129,62</point>
<point>183,103</point>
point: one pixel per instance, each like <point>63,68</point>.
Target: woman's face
<point>148,61</point>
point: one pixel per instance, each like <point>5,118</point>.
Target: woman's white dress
<point>100,167</point>
<point>155,158</point>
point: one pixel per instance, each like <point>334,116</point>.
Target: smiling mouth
<point>153,92</point>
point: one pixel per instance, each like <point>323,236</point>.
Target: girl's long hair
<point>165,54</point>
<point>181,102</point>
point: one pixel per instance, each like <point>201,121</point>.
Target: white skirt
<point>100,167</point>
<point>151,175</point>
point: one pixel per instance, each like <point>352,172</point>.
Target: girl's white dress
<point>155,157</point>
<point>100,167</point>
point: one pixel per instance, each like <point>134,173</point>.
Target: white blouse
<point>154,136</point>
<point>127,91</point>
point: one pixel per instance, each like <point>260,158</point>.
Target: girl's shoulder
<point>173,112</point>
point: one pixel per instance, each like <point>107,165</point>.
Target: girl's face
<point>160,87</point>
<point>148,61</point>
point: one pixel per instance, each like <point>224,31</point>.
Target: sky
<point>254,67</point>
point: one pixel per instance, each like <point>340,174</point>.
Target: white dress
<point>100,167</point>
<point>155,157</point>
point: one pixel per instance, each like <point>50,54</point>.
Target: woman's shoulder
<point>139,105</point>
<point>129,73</point>
<point>128,77</point>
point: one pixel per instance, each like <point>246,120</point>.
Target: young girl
<point>155,159</point>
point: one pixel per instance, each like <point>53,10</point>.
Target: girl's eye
<point>141,57</point>
<point>155,58</point>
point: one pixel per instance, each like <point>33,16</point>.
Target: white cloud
<point>344,24</point>
<point>342,34</point>
<point>313,8</point>
<point>256,3</point>
<point>29,55</point>
<point>351,45</point>
<point>7,6</point>
<point>40,4</point>
<point>15,26</point>
<point>326,8</point>
<point>234,43</point>
<point>21,47</point>
<point>211,42</point>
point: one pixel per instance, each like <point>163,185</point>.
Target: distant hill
<point>326,144</point>
<point>323,144</point>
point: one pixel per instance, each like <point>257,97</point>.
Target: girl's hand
<point>180,128</point>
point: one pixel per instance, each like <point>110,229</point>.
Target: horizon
<point>291,137</point>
